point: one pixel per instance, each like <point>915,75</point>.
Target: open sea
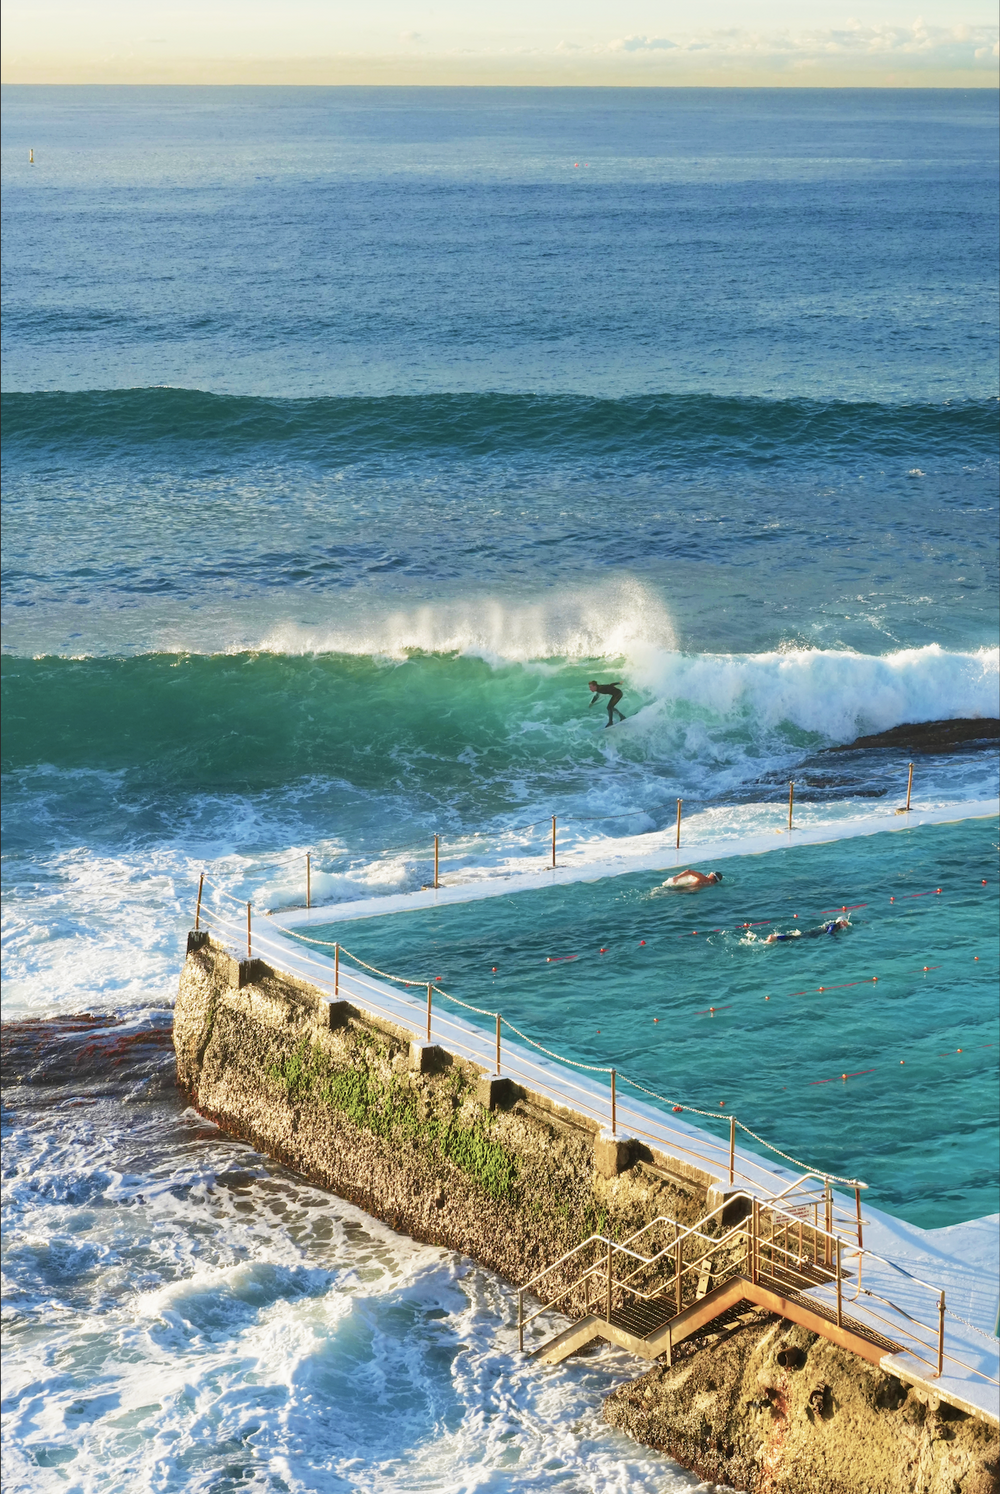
<point>346,435</point>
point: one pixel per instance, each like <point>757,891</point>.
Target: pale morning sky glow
<point>718,42</point>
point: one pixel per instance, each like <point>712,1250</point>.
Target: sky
<point>948,43</point>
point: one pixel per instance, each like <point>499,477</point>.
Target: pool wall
<point>347,1100</point>
<point>419,1138</point>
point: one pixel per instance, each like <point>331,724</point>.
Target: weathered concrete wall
<point>514,1188</point>
<point>824,1423</point>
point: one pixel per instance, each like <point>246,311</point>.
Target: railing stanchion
<point>940,1356</point>
<point>614,1105</point>
<point>553,842</point>
<point>679,803</point>
<point>197,906</point>
<point>827,1221</point>
<point>791,803</point>
<point>909,788</point>
<point>336,969</point>
<point>429,990</point>
<point>308,882</point>
<point>678,1264</point>
<point>498,1042</point>
<point>607,1305</point>
<point>732,1148</point>
<point>520,1321</point>
<point>437,840</point>
<point>755,1207</point>
<point>249,955</point>
<point>857,1206</point>
<point>840,1313</point>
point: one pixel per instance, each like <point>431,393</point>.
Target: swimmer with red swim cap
<point>690,879</point>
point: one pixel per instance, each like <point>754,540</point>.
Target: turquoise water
<point>917,1119</point>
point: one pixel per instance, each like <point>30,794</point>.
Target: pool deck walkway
<point>649,852</point>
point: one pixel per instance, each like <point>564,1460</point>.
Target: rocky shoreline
<point>926,737</point>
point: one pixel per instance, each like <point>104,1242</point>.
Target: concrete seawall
<point>431,1145</point>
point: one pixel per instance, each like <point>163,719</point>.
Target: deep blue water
<point>347,434</point>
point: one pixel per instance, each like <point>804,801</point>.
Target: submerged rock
<point>930,736</point>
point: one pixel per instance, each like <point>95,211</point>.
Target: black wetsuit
<point>616,695</point>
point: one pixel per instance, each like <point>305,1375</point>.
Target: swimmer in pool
<point>833,927</point>
<point>615,693</point>
<point>691,879</point>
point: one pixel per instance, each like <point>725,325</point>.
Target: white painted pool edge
<point>661,856</point>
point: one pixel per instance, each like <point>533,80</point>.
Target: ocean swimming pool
<point>681,992</point>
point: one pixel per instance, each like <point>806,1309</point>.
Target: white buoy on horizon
<point>31,156</point>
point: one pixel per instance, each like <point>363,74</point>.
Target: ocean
<point>347,434</point>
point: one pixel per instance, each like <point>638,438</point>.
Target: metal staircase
<point>789,1254</point>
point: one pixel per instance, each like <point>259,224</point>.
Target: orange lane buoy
<point>822,988</point>
<point>602,951</point>
<point>656,1019</point>
<point>902,1060</point>
<point>767,998</point>
<point>892,900</point>
<point>678,1109</point>
<point>642,941</point>
<point>494,970</point>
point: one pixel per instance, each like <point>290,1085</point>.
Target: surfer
<point>614,691</point>
<point>693,879</point>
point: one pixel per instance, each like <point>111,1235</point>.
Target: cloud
<point>642,44</point>
<point>917,45</point>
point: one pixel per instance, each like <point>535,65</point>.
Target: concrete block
<point>340,1011</point>
<point>612,1153</point>
<point>244,972</point>
<point>426,1058</point>
<point>493,1090</point>
<point>197,939</point>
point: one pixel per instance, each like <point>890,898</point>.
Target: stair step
<point>642,1318</point>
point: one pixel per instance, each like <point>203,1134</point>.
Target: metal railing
<point>772,1247</point>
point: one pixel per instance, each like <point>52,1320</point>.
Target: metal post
<point>827,1221</point>
<point>498,1042</point>
<point>553,842</point>
<point>436,845</point>
<point>197,906</point>
<point>308,882</point>
<point>791,803</point>
<point>753,1240</point>
<point>248,932</point>
<point>940,1363</point>
<point>840,1315</point>
<point>614,1105</point>
<point>678,1263</point>
<point>857,1206</point>
<point>679,803</point>
<point>909,788</point>
<point>429,990</point>
<point>607,1312</point>
<point>336,969</point>
<point>520,1321</point>
<point>732,1148</point>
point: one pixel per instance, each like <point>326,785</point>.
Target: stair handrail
<point>771,1210</point>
